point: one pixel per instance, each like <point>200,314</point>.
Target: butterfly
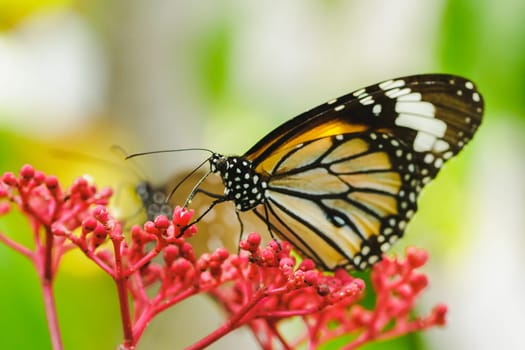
<point>341,181</point>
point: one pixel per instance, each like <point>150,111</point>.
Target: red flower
<point>259,288</point>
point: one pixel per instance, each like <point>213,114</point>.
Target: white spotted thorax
<point>241,184</point>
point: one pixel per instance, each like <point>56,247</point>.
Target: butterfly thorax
<point>242,184</point>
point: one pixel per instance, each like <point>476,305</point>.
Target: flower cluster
<point>258,288</point>
<point>328,305</point>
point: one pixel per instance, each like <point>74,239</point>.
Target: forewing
<point>434,115</point>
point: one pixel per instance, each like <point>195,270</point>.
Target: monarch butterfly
<point>341,181</point>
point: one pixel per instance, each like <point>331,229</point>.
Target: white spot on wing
<point>432,126</point>
<point>331,102</point>
<point>414,97</point>
<point>469,85</point>
<point>376,109</point>
<point>358,92</point>
<point>367,100</point>
<point>426,109</point>
<point>391,84</point>
<point>395,93</point>
<point>373,259</point>
<point>423,142</point>
<point>441,146</point>
<point>429,158</point>
<point>339,108</point>
<point>448,155</point>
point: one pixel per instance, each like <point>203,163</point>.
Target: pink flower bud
<point>307,264</point>
<point>162,222</point>
<point>416,257</point>
<point>27,172</point>
<point>311,277</point>
<point>89,224</point>
<point>101,213</point>
<point>39,177</point>
<point>3,190</point>
<point>181,267</point>
<point>286,263</point>
<point>186,252</point>
<point>171,252</point>
<point>150,228</point>
<point>51,182</point>
<point>9,179</point>
<point>440,312</point>
<point>418,282</point>
<point>254,239</point>
<point>221,254</point>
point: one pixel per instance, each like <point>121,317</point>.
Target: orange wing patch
<point>329,128</point>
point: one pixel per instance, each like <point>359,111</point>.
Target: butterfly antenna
<point>186,178</point>
<point>137,171</point>
<point>167,151</point>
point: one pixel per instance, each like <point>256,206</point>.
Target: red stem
<point>122,290</point>
<point>48,256</point>
<point>52,319</point>
<point>276,333</point>
<point>44,264</point>
<point>16,246</point>
<point>81,244</point>
<point>144,260</point>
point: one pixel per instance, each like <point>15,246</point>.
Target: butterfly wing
<point>434,114</point>
<point>343,178</point>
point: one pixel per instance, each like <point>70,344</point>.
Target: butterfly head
<point>242,184</point>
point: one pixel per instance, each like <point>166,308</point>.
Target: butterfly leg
<point>269,226</point>
<point>241,225</point>
<point>213,204</point>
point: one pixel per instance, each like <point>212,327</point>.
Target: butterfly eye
<point>221,165</point>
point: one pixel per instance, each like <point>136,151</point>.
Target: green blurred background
<point>83,75</point>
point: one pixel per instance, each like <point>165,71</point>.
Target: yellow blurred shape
<point>14,11</point>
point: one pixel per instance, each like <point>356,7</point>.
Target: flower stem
<point>44,263</point>
<point>51,315</point>
<point>122,289</point>
<point>16,246</point>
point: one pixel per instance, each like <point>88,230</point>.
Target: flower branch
<point>260,287</point>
